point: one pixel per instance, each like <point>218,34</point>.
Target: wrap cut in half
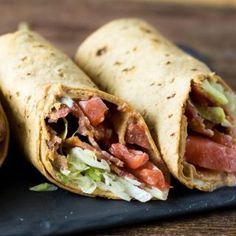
<point>78,137</point>
<point>4,135</point>
<point>190,111</point>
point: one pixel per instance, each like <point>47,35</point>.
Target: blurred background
<point>208,26</point>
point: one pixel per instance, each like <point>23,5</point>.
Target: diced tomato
<point>94,109</point>
<point>135,134</point>
<point>151,175</point>
<point>208,154</point>
<point>132,158</point>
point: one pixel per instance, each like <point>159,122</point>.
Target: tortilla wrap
<point>4,135</point>
<point>42,87</point>
<point>130,59</point>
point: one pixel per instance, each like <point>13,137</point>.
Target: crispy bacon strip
<point>76,142</point>
<point>195,121</point>
<point>54,141</point>
<point>135,134</point>
<point>63,111</point>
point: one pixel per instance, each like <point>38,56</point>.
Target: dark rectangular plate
<point>23,212</point>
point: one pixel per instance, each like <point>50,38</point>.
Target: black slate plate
<point>23,212</point>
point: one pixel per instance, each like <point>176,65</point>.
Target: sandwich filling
<point>211,115</point>
<point>89,153</point>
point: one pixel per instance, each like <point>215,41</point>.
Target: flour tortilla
<point>33,74</point>
<point>130,59</point>
<point>4,135</point>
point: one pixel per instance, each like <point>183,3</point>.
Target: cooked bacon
<point>60,162</point>
<point>199,96</point>
<point>54,141</point>
<point>54,115</point>
<point>95,110</point>
<point>195,121</point>
<point>77,111</point>
<point>123,173</point>
<point>113,159</point>
<point>76,142</point>
<point>135,134</point>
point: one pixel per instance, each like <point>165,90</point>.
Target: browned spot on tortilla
<point>128,69</point>
<point>29,73</point>
<point>101,51</point>
<point>155,40</point>
<point>152,83</point>
<point>167,55</point>
<point>17,94</point>
<point>10,97</point>
<point>24,58</point>
<point>194,69</point>
<point>134,49</point>
<point>144,113</point>
<point>172,134</point>
<point>117,63</point>
<point>171,96</point>
<point>28,98</point>
<point>172,80</point>
<point>169,116</point>
<point>168,63</point>
<point>98,74</point>
<point>148,31</point>
<point>159,84</point>
<point>61,74</point>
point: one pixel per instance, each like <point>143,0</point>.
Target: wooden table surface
<point>210,30</point>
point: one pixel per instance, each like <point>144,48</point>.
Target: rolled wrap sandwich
<point>190,110</point>
<point>78,137</point>
<point>4,135</point>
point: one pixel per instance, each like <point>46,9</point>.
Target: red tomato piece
<point>208,154</point>
<point>151,175</point>
<point>132,158</point>
<point>94,109</point>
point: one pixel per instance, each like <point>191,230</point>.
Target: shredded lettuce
<point>44,187</point>
<point>88,174</point>
<point>86,184</point>
<point>94,174</point>
<point>116,187</point>
<point>67,101</point>
<point>136,192</point>
<point>75,164</point>
<point>215,92</point>
<point>65,132</point>
<point>213,114</point>
<point>157,193</point>
<point>89,158</point>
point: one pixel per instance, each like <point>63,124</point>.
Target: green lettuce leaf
<point>44,187</point>
<point>94,174</point>
<point>215,92</point>
<point>214,114</point>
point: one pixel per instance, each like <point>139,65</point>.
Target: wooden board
<point>211,31</point>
